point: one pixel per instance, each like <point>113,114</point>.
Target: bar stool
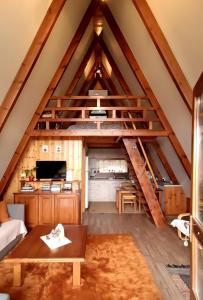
<point>129,199</point>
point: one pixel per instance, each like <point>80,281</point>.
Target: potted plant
<point>30,173</point>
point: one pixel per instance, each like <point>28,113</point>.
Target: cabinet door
<point>31,208</point>
<point>67,209</point>
<point>174,200</point>
<point>46,209</point>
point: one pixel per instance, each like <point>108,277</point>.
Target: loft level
<point>99,115</point>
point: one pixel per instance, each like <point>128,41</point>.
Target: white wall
<point>19,22</point>
<point>40,78</point>
<point>120,60</point>
<point>75,61</point>
<point>181,23</point>
<point>103,153</point>
<point>175,165</point>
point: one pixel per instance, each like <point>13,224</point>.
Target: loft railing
<point>71,113</point>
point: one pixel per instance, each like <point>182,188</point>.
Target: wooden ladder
<point>144,181</point>
<point>132,175</point>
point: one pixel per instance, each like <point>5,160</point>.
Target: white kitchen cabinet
<point>103,190</point>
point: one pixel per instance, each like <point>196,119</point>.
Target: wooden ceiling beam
<point>145,86</point>
<point>165,51</point>
<point>30,60</point>
<point>48,93</point>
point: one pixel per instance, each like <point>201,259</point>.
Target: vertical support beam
<point>30,59</point>
<point>144,84</point>
<point>165,51</point>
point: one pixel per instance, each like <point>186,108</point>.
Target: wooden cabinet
<point>174,200</point>
<point>31,208</point>
<point>66,211</point>
<point>44,208</point>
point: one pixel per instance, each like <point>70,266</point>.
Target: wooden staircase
<point>141,198</point>
<point>153,208</point>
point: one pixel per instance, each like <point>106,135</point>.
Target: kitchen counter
<point>103,189</point>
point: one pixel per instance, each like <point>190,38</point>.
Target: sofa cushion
<point>4,216</point>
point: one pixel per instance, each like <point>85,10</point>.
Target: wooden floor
<point>159,246</point>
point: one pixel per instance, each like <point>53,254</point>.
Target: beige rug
<point>114,270</point>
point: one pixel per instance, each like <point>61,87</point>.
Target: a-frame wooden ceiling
<point>97,55</point>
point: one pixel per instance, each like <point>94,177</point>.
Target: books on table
<point>27,188</point>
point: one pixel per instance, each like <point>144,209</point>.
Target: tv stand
<point>49,208</point>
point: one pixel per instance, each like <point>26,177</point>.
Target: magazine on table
<point>56,238</point>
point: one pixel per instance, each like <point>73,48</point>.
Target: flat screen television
<point>50,169</point>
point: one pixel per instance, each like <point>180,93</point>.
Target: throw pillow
<point>4,216</point>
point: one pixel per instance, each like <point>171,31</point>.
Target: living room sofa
<point>12,230</point>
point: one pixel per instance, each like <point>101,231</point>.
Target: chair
<point>183,227</point>
<point>129,199</point>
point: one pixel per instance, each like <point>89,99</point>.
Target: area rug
<point>114,269</point>
<point>180,275</point>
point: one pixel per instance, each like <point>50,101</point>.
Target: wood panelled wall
<point>71,152</point>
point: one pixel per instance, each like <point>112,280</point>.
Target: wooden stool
<point>129,199</point>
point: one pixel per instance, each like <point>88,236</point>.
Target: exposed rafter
<point>144,84</point>
<point>30,60</point>
<point>165,51</point>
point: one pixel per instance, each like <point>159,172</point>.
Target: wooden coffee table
<point>33,250</point>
